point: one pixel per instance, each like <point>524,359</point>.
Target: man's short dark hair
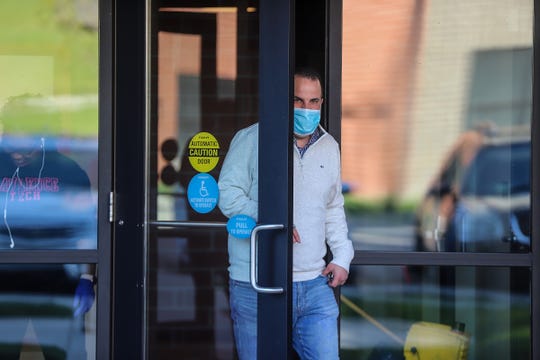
<point>308,73</point>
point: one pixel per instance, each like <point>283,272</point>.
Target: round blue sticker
<point>203,193</point>
<point>240,226</point>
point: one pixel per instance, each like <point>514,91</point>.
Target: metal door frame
<point>276,59</point>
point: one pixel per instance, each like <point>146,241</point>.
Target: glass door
<point>208,82</point>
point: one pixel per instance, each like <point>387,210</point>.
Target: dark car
<point>480,199</point>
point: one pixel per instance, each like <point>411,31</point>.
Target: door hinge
<point>111,207</point>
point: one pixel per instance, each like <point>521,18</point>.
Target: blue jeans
<point>315,314</point>
<point>243,300</point>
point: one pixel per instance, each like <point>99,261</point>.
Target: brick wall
<point>380,48</point>
<point>406,78</point>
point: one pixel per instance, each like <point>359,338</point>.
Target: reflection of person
<point>45,189</point>
<point>319,220</point>
<point>47,204</point>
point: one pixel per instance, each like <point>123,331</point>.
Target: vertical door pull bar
<point>253,260</point>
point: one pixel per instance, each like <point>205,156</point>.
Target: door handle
<point>253,260</point>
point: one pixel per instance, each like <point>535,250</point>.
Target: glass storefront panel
<point>437,100</point>
<point>48,124</point>
<point>395,312</point>
<point>48,167</point>
<point>189,308</point>
<point>204,89</point>
<point>36,313</point>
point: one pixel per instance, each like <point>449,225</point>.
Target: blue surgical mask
<point>306,121</point>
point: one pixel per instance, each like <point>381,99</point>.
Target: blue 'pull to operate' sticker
<point>240,226</point>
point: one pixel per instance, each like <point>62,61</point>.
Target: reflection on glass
<point>48,124</point>
<point>189,310</point>
<point>46,196</point>
<point>436,313</point>
<point>205,89</point>
<point>480,199</point>
<point>436,125</point>
<point>36,313</point>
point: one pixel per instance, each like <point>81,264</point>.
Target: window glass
<point>37,315</point>
<point>436,124</point>
<point>392,312</point>
<point>48,124</point>
<point>204,89</point>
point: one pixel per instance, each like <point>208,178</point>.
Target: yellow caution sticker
<point>203,152</point>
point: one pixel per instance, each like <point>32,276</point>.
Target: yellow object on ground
<point>427,340</point>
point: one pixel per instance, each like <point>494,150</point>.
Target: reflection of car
<point>480,199</point>
<point>45,227</point>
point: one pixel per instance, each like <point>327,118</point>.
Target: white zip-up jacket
<point>318,210</point>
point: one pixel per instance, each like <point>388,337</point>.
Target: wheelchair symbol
<point>203,191</point>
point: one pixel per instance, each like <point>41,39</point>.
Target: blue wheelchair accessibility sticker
<point>240,226</point>
<point>203,193</point>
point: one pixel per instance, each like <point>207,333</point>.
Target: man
<point>319,220</point>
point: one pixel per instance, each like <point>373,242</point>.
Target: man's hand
<point>295,236</point>
<point>84,297</point>
<point>338,277</point>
